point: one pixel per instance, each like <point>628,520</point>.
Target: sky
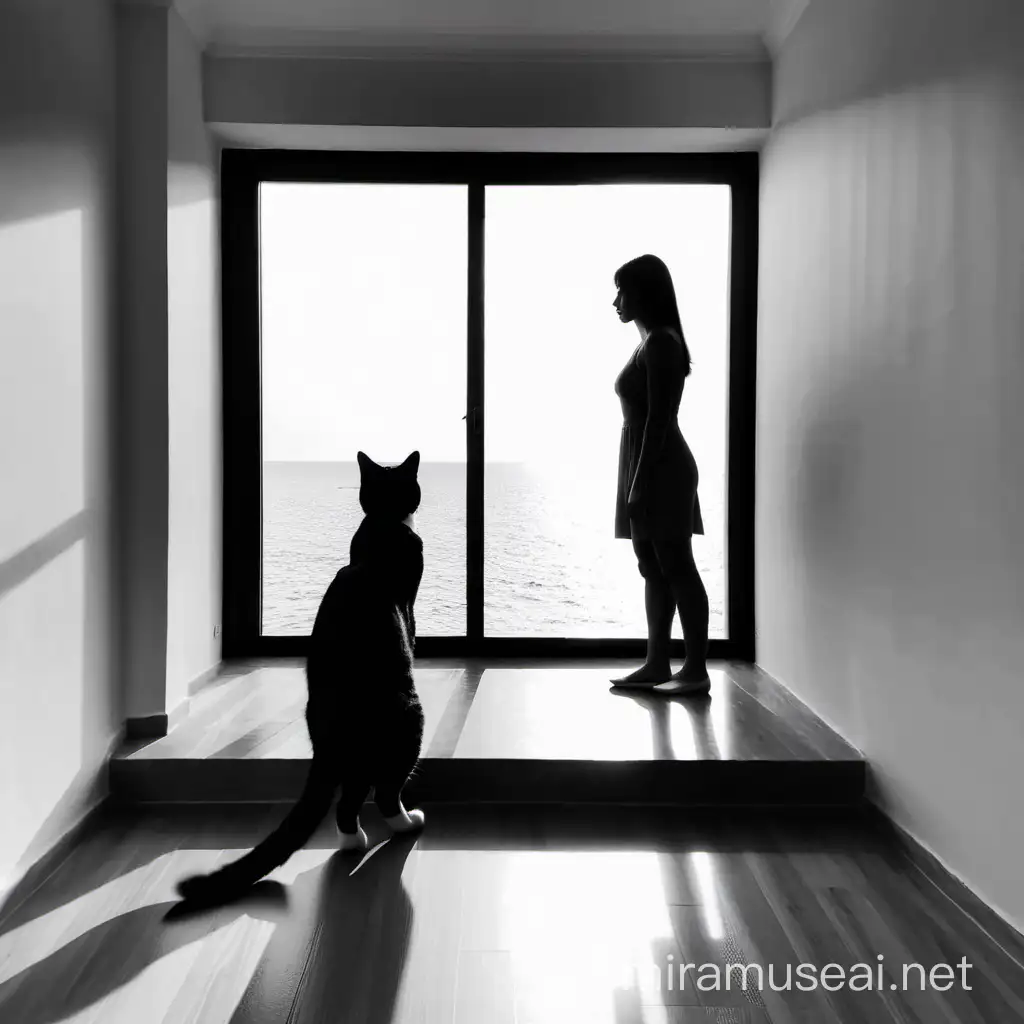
<point>363,291</point>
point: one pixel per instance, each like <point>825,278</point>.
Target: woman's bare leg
<point>691,598</point>
<point>660,607</point>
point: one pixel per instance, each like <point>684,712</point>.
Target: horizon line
<point>432,462</point>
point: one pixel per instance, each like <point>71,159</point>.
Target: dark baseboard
<point>997,928</point>
<point>153,727</point>
<point>48,863</point>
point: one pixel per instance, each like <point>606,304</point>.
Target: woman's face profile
<point>622,306</point>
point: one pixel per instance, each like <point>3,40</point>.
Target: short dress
<point>673,505</point>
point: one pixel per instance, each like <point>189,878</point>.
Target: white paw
<point>408,821</point>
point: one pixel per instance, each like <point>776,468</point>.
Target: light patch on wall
<point>42,459</point>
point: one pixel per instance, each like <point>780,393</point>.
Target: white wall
<point>59,704</point>
<point>539,92</point>
<point>193,369</point>
<point>890,383</point>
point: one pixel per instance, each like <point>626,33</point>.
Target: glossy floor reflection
<point>516,914</point>
<point>257,711</point>
<point>564,713</point>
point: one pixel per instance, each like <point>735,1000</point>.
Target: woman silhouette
<point>656,505</point>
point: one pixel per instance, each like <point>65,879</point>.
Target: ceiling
<point>584,27</point>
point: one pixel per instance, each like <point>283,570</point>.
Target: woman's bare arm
<point>663,360</point>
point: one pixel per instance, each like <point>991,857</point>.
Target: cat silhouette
<point>363,714</point>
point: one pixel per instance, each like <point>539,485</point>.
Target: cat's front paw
<point>407,821</point>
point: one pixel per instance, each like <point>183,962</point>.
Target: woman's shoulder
<point>663,342</point>
<point>660,334</point>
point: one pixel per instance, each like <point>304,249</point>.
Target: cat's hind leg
<point>402,820</point>
<point>395,763</point>
<point>353,795</point>
<point>388,798</point>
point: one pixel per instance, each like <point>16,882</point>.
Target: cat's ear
<point>412,463</point>
<point>366,464</point>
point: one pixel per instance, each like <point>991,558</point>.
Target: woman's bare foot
<point>646,675</point>
<point>690,672</point>
<point>689,679</point>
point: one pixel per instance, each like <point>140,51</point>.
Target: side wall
<point>890,374</point>
<point>59,703</point>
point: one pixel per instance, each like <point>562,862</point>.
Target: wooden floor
<point>550,710</point>
<point>516,732</point>
<point>496,915</point>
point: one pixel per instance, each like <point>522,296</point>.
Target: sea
<point>552,566</point>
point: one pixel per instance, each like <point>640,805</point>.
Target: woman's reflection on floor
<point>696,710</point>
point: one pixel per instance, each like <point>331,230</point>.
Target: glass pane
<point>553,567</point>
<point>363,291</point>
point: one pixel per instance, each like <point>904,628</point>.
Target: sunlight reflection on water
<point>552,564</point>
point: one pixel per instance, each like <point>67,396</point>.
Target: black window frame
<point>242,171</point>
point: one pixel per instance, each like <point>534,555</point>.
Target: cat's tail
<point>291,835</point>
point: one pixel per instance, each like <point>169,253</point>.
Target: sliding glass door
<point>363,296</point>
<point>461,305</point>
<point>554,347</point>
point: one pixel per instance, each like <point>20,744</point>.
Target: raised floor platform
<point>517,732</point>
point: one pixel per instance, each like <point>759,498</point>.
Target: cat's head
<point>389,492</point>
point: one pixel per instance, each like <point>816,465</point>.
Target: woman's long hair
<point>648,284</point>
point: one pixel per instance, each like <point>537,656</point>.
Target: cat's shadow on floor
<point>340,952</point>
<point>338,947</point>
